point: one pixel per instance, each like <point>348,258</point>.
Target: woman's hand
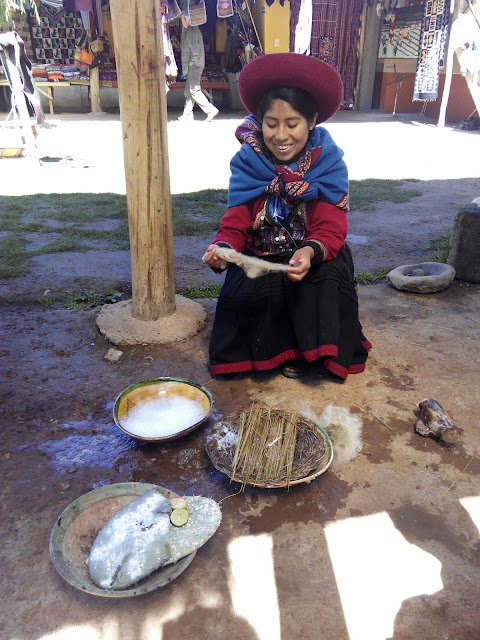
<point>214,262</point>
<point>299,264</point>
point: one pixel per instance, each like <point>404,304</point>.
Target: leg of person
<point>194,77</point>
<point>324,313</point>
<point>187,115</point>
<point>251,330</point>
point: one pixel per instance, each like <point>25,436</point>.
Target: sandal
<point>294,368</point>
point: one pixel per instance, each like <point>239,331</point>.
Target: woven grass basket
<point>312,456</point>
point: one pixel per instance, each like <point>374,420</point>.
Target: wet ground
<point>386,546</point>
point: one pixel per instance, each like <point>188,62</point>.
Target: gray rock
<point>432,277</point>
<point>464,253</point>
<point>133,543</point>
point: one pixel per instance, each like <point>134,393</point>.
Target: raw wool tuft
<point>344,429</point>
<point>253,267</point>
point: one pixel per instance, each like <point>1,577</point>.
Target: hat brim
<point>291,70</point>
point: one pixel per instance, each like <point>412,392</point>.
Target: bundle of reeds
<point>271,448</point>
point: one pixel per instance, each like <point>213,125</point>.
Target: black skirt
<point>263,322</point>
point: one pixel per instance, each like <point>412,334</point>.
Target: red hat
<point>291,70</point>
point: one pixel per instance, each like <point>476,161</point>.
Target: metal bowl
<point>77,527</point>
<point>168,388</point>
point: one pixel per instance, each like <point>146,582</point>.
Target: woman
<point>287,202</point>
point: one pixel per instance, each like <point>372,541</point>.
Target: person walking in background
<point>193,64</point>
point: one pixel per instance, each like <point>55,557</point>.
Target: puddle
<point>94,450</point>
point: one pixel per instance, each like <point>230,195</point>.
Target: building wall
<point>460,102</point>
<point>273,25</point>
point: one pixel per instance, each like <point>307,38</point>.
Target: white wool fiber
<point>253,267</point>
<point>344,430</point>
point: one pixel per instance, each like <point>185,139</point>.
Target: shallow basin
<point>161,409</point>
<point>424,277</point>
<point>76,528</point>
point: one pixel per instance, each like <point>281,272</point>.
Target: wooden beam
<point>137,31</point>
<point>95,104</point>
<point>449,55</point>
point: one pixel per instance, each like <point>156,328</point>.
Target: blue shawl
<point>321,173</point>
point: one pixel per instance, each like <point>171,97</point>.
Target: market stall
<point>71,46</point>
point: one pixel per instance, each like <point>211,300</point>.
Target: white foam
<point>162,417</point>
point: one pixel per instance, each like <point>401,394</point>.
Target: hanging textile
<point>54,42</point>
<point>52,10</point>
<point>335,37</point>
<point>172,10</point>
<point>83,5</point>
<point>431,51</point>
<point>224,8</point>
<point>198,13</point>
<point>87,19</point>
<point>171,70</point>
<point>18,71</point>
<point>303,30</point>
<point>99,15</point>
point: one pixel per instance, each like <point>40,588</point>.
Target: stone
<point>113,355</point>
<point>464,254</point>
<point>436,276</point>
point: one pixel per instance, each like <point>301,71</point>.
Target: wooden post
<point>137,32</point>
<point>449,55</point>
<point>95,103</point>
<point>361,47</point>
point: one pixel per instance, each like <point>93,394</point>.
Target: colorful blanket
<point>54,41</point>
<point>432,49</point>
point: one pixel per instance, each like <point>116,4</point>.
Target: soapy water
<point>162,417</point>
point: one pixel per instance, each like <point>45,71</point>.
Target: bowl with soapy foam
<point>161,409</point>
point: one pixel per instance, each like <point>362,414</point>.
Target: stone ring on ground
<point>425,277</point>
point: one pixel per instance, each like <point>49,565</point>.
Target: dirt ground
<point>386,546</point>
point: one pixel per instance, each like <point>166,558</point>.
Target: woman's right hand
<point>214,262</point>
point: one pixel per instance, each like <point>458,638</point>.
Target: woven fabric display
<point>172,10</point>
<point>198,13</point>
<point>432,49</point>
<point>224,8</point>
<point>326,48</point>
<point>54,42</point>
<point>334,37</point>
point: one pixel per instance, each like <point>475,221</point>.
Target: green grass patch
<point>198,214</point>
<point>441,245</point>
<point>371,278</point>
<point>203,291</point>
<point>86,299</point>
<point>14,259</point>
<point>66,215</point>
<point>364,194</point>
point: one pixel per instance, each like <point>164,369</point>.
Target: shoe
<point>294,368</point>
<point>211,115</point>
<point>188,118</point>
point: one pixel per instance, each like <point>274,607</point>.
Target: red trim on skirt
<point>265,365</point>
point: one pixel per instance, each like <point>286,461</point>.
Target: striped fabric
<point>335,34</point>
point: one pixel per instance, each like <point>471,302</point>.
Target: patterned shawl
<point>321,174</point>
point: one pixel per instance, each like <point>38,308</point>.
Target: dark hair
<point>298,99</point>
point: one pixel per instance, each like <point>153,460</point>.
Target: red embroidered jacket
<point>247,227</point>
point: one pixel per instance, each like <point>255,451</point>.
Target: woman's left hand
<point>214,262</point>
<point>299,264</point>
